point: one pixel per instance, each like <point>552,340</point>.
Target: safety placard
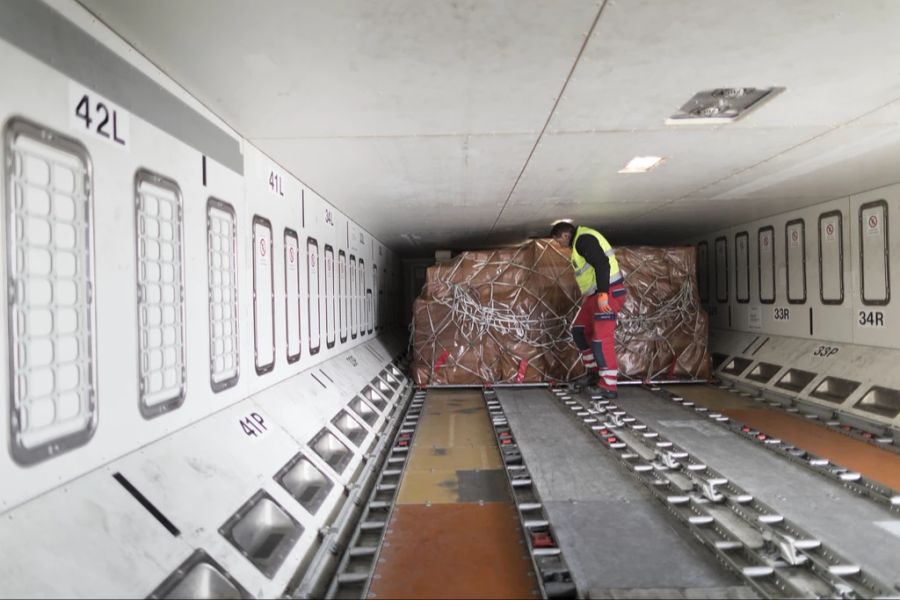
<point>754,318</point>
<point>873,224</point>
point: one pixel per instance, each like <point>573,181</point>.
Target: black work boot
<point>585,381</point>
<point>596,390</point>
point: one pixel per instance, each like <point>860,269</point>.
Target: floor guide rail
<point>553,575</point>
<point>774,555</point>
<point>853,480</point>
<point>357,565</point>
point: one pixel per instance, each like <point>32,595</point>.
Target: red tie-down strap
<point>441,360</point>
<point>672,367</point>
<point>523,366</point>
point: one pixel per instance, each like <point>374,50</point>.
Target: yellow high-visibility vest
<point>584,272</point>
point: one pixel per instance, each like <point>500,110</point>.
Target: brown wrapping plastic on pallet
<point>504,316</point>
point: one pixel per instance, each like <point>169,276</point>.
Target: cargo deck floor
<point>454,532</point>
<point>864,532</point>
<point>618,540</point>
<point>872,462</point>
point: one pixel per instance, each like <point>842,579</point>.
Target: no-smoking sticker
<point>829,232</point>
<point>262,247</point>
<point>873,225</point>
<point>795,238</point>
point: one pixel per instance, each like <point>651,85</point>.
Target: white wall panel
<point>263,250</point>
<point>874,228</point>
<point>831,257</point>
<point>343,296</point>
<point>874,260</point>
<point>52,546</point>
<point>742,266</point>
<point>766,263</point>
<point>795,252</point>
<point>770,268</point>
<point>218,368</point>
<point>292,301</point>
<point>314,297</point>
<point>329,297</point>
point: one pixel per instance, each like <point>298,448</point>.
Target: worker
<point>603,296</point>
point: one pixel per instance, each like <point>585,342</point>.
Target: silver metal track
<point>850,479</point>
<point>775,556</point>
<point>550,568</point>
<point>354,573</point>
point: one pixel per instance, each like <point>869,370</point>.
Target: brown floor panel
<point>454,532</point>
<point>454,551</point>
<point>872,462</point>
<point>454,456</point>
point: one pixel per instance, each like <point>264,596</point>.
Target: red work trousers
<point>594,333</point>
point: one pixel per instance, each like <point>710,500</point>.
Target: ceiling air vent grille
<point>721,105</point>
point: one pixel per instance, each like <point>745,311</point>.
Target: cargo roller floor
<point>618,540</point>
<point>454,532</point>
<point>863,531</point>
<point>872,462</point>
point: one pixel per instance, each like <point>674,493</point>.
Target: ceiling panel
<point>570,171</point>
<point>417,118</point>
<point>648,57</point>
<point>843,162</point>
<point>280,68</point>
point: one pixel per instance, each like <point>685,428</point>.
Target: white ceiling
<point>440,124</point>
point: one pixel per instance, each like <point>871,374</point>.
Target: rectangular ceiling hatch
<point>721,105</point>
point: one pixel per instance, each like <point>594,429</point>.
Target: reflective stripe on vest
<point>584,272</point>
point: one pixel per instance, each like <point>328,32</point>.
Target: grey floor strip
<point>861,530</point>
<point>618,540</point>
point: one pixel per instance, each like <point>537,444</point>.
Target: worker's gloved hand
<point>603,303</point>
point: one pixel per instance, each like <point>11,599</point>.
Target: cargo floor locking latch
<point>709,489</point>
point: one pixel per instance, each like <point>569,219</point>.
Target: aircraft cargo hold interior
<point>469,299</point>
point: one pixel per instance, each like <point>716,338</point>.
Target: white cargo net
<point>475,320</point>
<point>658,307</point>
<point>646,319</point>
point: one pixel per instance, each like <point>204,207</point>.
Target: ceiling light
<point>721,105</point>
<point>561,221</point>
<point>641,164</point>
